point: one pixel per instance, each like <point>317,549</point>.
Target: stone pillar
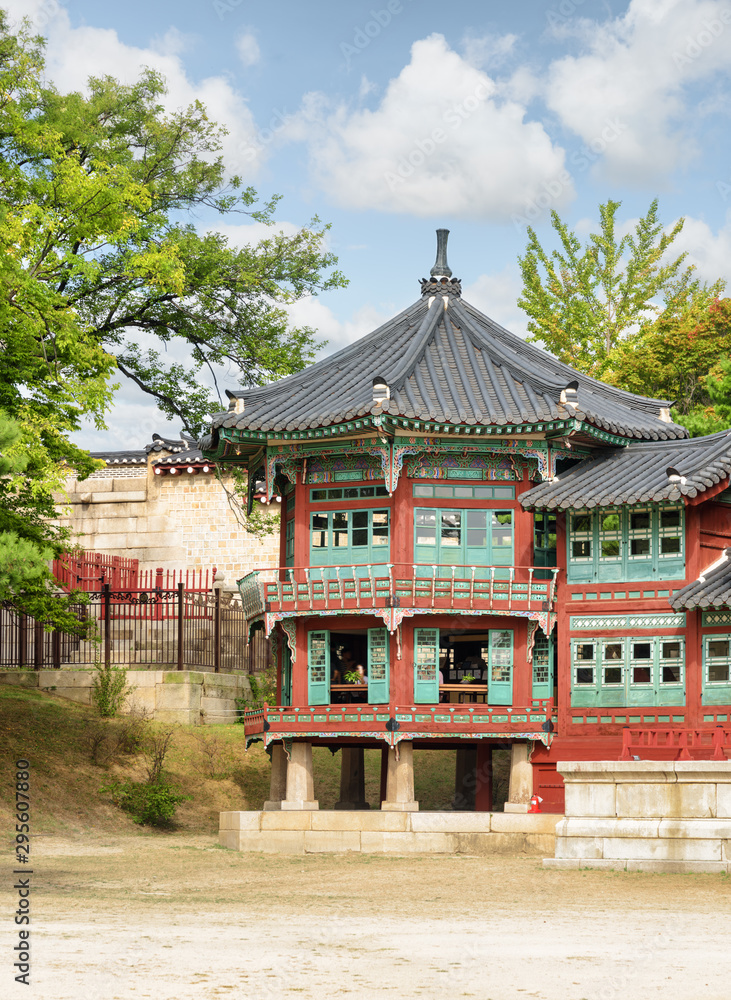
<point>278,781</point>
<point>465,779</point>
<point>352,779</point>
<point>300,786</point>
<point>521,779</point>
<point>400,780</point>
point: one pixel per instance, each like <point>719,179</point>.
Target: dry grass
<point>72,758</point>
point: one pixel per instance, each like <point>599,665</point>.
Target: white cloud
<point>445,139</point>
<point>312,312</point>
<point>634,73</point>
<point>39,12</point>
<point>496,295</point>
<point>248,49</point>
<point>250,233</point>
<point>489,51</point>
<point>709,251</point>
<point>75,54</point>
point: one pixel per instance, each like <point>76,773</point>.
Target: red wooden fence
<point>89,571</point>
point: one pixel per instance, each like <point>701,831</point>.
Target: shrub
<point>213,755</point>
<point>156,745</point>
<point>109,689</point>
<point>111,741</point>
<point>148,804</point>
<point>263,690</point>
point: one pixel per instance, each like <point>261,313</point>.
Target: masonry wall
<point>180,521</point>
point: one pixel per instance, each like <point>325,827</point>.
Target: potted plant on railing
<point>468,679</point>
<point>353,677</point>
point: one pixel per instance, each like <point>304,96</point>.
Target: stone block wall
<point>376,832</point>
<point>189,697</point>
<point>646,816</point>
<point>174,522</point>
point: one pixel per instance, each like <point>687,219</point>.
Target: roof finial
<point>441,268</point>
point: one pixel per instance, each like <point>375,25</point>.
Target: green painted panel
<point>626,544</point>
<point>318,668</point>
<point>542,665</point>
<point>500,667</point>
<point>426,666</point>
<point>378,666</point>
<point>348,537</point>
<point>463,537</point>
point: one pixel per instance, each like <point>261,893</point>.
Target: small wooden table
<point>358,692</point>
<point>464,689</point>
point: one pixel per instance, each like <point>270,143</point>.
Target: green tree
<point>99,254</point>
<point>680,356</point>
<point>716,416</point>
<point>582,300</point>
<point>28,538</point>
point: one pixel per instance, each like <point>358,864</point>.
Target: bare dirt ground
<point>173,917</point>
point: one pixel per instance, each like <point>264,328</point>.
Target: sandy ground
<point>173,917</point>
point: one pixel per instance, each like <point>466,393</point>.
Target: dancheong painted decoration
<point>481,546</point>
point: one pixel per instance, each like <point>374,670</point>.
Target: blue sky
<point>392,119</point>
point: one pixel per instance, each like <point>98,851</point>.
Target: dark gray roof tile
<point>712,589</point>
<point>638,473</point>
<point>444,360</point>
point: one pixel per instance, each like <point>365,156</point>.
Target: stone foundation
<point>190,697</point>
<point>376,832</point>
<point>659,816</point>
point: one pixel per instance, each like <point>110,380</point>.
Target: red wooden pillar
<point>522,669</point>
<point>693,669</point>
<point>283,531</point>
<point>402,675</point>
<point>483,787</point>
<point>301,527</point>
<point>523,532</point>
<point>693,652</point>
<point>693,557</point>
<point>562,638</point>
<point>279,661</point>
<point>402,525</point>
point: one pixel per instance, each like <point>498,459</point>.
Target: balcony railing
<point>406,585</point>
<point>534,721</point>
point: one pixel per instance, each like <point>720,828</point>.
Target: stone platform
<point>376,832</point>
<point>653,816</point>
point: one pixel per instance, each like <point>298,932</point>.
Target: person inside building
<point>351,666</point>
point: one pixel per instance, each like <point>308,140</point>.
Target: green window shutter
<point>612,672</point>
<point>542,665</point>
<point>585,667</point>
<point>286,675</point>
<point>318,668</point>
<point>717,670</point>
<point>500,667</point>
<point>670,676</point>
<point>378,666</point>
<point>426,666</point>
